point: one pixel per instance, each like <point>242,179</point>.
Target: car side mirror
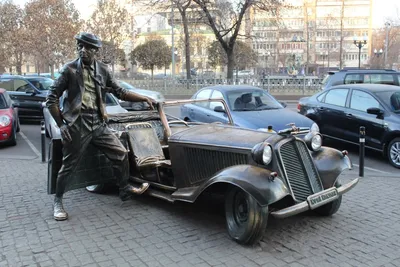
<point>219,109</point>
<point>283,104</point>
<point>375,111</point>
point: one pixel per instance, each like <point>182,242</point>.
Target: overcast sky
<point>382,9</point>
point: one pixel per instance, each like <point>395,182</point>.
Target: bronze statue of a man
<point>84,83</point>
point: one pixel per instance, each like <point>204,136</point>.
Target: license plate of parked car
<point>317,200</point>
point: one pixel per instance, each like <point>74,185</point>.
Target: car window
<point>337,97</point>
<point>379,78</point>
<point>7,84</point>
<point>205,94</point>
<point>247,100</point>
<point>23,86</point>
<point>216,94</point>
<point>353,78</point>
<point>3,103</point>
<point>362,101</point>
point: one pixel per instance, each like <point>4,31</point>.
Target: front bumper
<point>305,205</point>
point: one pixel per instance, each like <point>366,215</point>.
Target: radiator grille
<point>301,174</point>
<point>203,163</point>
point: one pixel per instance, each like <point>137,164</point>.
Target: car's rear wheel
<point>393,152</point>
<point>330,208</point>
<point>18,126</point>
<point>246,220</point>
<point>97,188</point>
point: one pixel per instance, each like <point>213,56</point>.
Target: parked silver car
<point>52,130</point>
<point>139,105</point>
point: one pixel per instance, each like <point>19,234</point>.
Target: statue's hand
<point>151,102</point>
<point>65,133</point>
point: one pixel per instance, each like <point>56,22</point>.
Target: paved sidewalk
<point>103,231</point>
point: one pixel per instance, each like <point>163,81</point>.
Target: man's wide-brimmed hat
<point>89,38</point>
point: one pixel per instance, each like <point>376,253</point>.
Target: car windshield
<point>251,100</point>
<point>41,83</point>
<point>326,79</point>
<point>126,85</point>
<point>392,99</point>
<point>3,103</point>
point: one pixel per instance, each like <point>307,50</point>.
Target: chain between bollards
<point>43,140</point>
<point>362,151</point>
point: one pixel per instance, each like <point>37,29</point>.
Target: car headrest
<point>246,98</point>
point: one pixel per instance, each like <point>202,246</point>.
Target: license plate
<point>321,198</point>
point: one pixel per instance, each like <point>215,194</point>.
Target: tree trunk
<point>52,70</point>
<point>18,63</point>
<point>231,62</point>
<point>341,37</point>
<point>187,43</point>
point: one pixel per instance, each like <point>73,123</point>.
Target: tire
<point>13,140</point>
<point>246,220</point>
<point>97,188</point>
<point>330,208</point>
<point>393,152</point>
<point>18,126</point>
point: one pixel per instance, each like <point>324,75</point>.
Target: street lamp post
<point>360,44</point>
<point>387,25</point>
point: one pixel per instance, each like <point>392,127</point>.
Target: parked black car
<point>357,76</point>
<point>341,110</point>
<point>28,93</point>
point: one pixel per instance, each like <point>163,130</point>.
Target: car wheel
<point>13,140</point>
<point>330,208</point>
<point>246,220</point>
<point>97,188</point>
<point>393,152</point>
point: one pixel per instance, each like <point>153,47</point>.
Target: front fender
<point>330,164</point>
<point>251,179</point>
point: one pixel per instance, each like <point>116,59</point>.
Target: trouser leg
<point>72,154</point>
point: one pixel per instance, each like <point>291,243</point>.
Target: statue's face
<point>86,53</point>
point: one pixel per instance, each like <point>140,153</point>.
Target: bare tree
<point>227,20</point>
<point>51,26</point>
<point>13,36</point>
<point>108,21</point>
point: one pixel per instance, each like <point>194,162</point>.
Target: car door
<point>26,97</point>
<point>332,112</point>
<point>217,116</point>
<point>357,116</point>
<point>197,111</point>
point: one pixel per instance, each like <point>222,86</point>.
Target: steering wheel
<point>178,121</point>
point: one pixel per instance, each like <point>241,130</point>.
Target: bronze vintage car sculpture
<point>260,173</point>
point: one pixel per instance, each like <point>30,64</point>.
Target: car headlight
<point>314,128</point>
<point>5,120</point>
<point>313,141</point>
<point>262,153</point>
<point>267,155</point>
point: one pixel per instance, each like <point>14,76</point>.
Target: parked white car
<point>52,130</point>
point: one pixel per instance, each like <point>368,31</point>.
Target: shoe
<point>59,212</point>
<point>126,192</point>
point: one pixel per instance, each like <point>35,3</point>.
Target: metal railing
<point>300,85</point>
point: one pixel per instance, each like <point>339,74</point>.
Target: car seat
<point>243,102</point>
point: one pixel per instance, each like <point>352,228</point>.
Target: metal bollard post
<point>362,150</point>
<point>43,135</point>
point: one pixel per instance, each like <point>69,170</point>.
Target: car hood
<point>7,111</point>
<point>220,135</point>
<point>278,118</point>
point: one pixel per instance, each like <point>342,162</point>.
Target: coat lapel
<point>79,74</point>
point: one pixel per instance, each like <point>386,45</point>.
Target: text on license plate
<point>321,198</point>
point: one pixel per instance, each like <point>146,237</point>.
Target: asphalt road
<point>29,147</point>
